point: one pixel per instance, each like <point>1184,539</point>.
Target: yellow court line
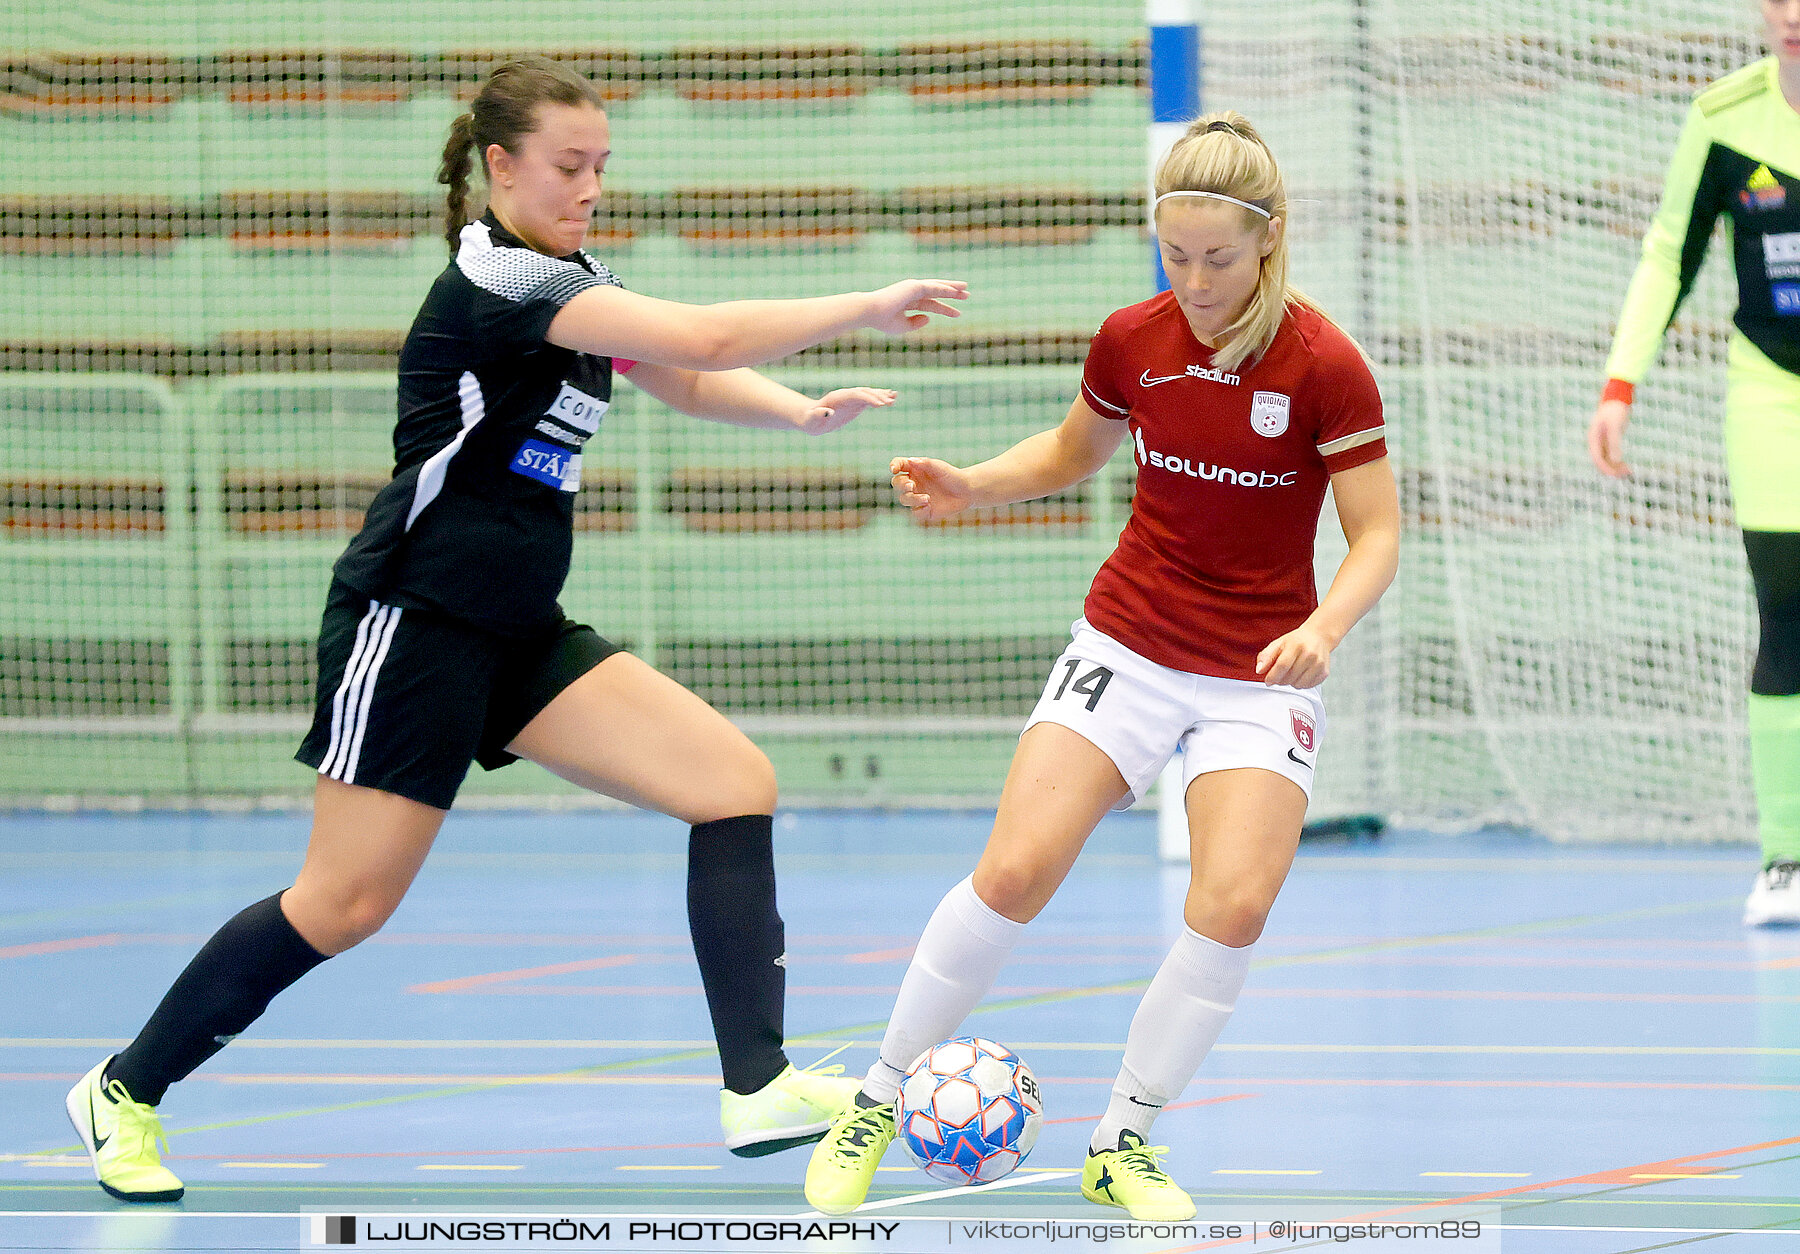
<point>273,1166</point>
<point>667,1167</point>
<point>468,1167</point>
<point>1684,1175</point>
<point>1481,1175</point>
<point>1258,1171</point>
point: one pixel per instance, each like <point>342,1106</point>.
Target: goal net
<point>218,220</point>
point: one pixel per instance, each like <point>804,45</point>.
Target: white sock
<point>959,954</point>
<point>1181,1015</point>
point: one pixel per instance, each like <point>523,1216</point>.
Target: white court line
<point>1714,1232</point>
<point>1034,1177</point>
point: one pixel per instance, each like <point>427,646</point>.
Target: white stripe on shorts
<point>350,704</point>
<point>368,693</point>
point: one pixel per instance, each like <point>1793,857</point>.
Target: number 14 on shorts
<point>1090,685</point>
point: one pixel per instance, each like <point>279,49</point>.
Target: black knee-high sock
<point>230,982</point>
<point>740,944</point>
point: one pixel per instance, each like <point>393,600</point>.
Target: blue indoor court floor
<point>1582,1040</point>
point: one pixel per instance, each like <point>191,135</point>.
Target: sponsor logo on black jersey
<point>548,464</point>
<point>1763,191</point>
<point>575,408</point>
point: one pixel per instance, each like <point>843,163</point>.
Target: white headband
<point>1231,200</point>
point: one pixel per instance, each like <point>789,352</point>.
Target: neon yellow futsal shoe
<point>795,1108</point>
<point>843,1164</point>
<point>1130,1177</point>
<point>121,1137</point>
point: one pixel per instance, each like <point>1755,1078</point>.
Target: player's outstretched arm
<point>744,398</point>
<point>1036,466</point>
<point>613,322</point>
<point>1368,506</point>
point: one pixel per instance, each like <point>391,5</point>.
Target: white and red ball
<point>968,1111</point>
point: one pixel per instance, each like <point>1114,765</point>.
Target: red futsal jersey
<point>1217,558</point>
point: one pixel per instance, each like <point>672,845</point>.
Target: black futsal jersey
<point>478,520</point>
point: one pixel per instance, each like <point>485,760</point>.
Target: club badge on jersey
<point>1303,728</point>
<point>571,418</point>
<point>1269,413</point>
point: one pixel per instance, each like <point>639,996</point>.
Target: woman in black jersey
<point>443,644</point>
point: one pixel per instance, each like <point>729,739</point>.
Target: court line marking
<point>61,946</point>
<point>1599,1199</point>
<point>334,1191</point>
<point>1191,1102</point>
<point>1011,1181</point>
<point>1517,995</point>
<point>1721,1232</point>
<point>252,1042</point>
<point>1272,962</point>
<point>1349,1082</point>
<point>1277,993</point>
<point>289,1215</point>
<point>1482,1175</point>
<point>1685,1175</point>
<point>469,982</point>
<point>1396,944</point>
<point>1617,1175</point>
<point>1047,947</point>
<point>113,909</point>
<point>1595,962</point>
<point>824,1039</point>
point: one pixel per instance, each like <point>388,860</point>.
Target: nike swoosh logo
<point>94,1125</point>
<point>1135,1102</point>
<point>1297,758</point>
<point>1145,381</point>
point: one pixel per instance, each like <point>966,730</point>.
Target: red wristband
<point>1619,390</point>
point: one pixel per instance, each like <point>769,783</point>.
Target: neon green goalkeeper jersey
<point>1739,156</point>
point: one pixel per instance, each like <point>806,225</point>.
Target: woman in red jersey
<point>1202,631</point>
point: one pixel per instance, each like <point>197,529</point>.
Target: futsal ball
<point>968,1111</point>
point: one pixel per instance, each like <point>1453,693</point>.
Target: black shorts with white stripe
<point>408,698</point>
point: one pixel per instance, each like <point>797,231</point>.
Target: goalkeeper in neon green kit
<point>1739,155</point>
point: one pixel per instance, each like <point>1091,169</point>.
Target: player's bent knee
<point>1234,918</point>
<point>1018,890</point>
<point>746,785</point>
<point>342,923</point>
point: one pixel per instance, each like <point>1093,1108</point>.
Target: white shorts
<point>1138,713</point>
